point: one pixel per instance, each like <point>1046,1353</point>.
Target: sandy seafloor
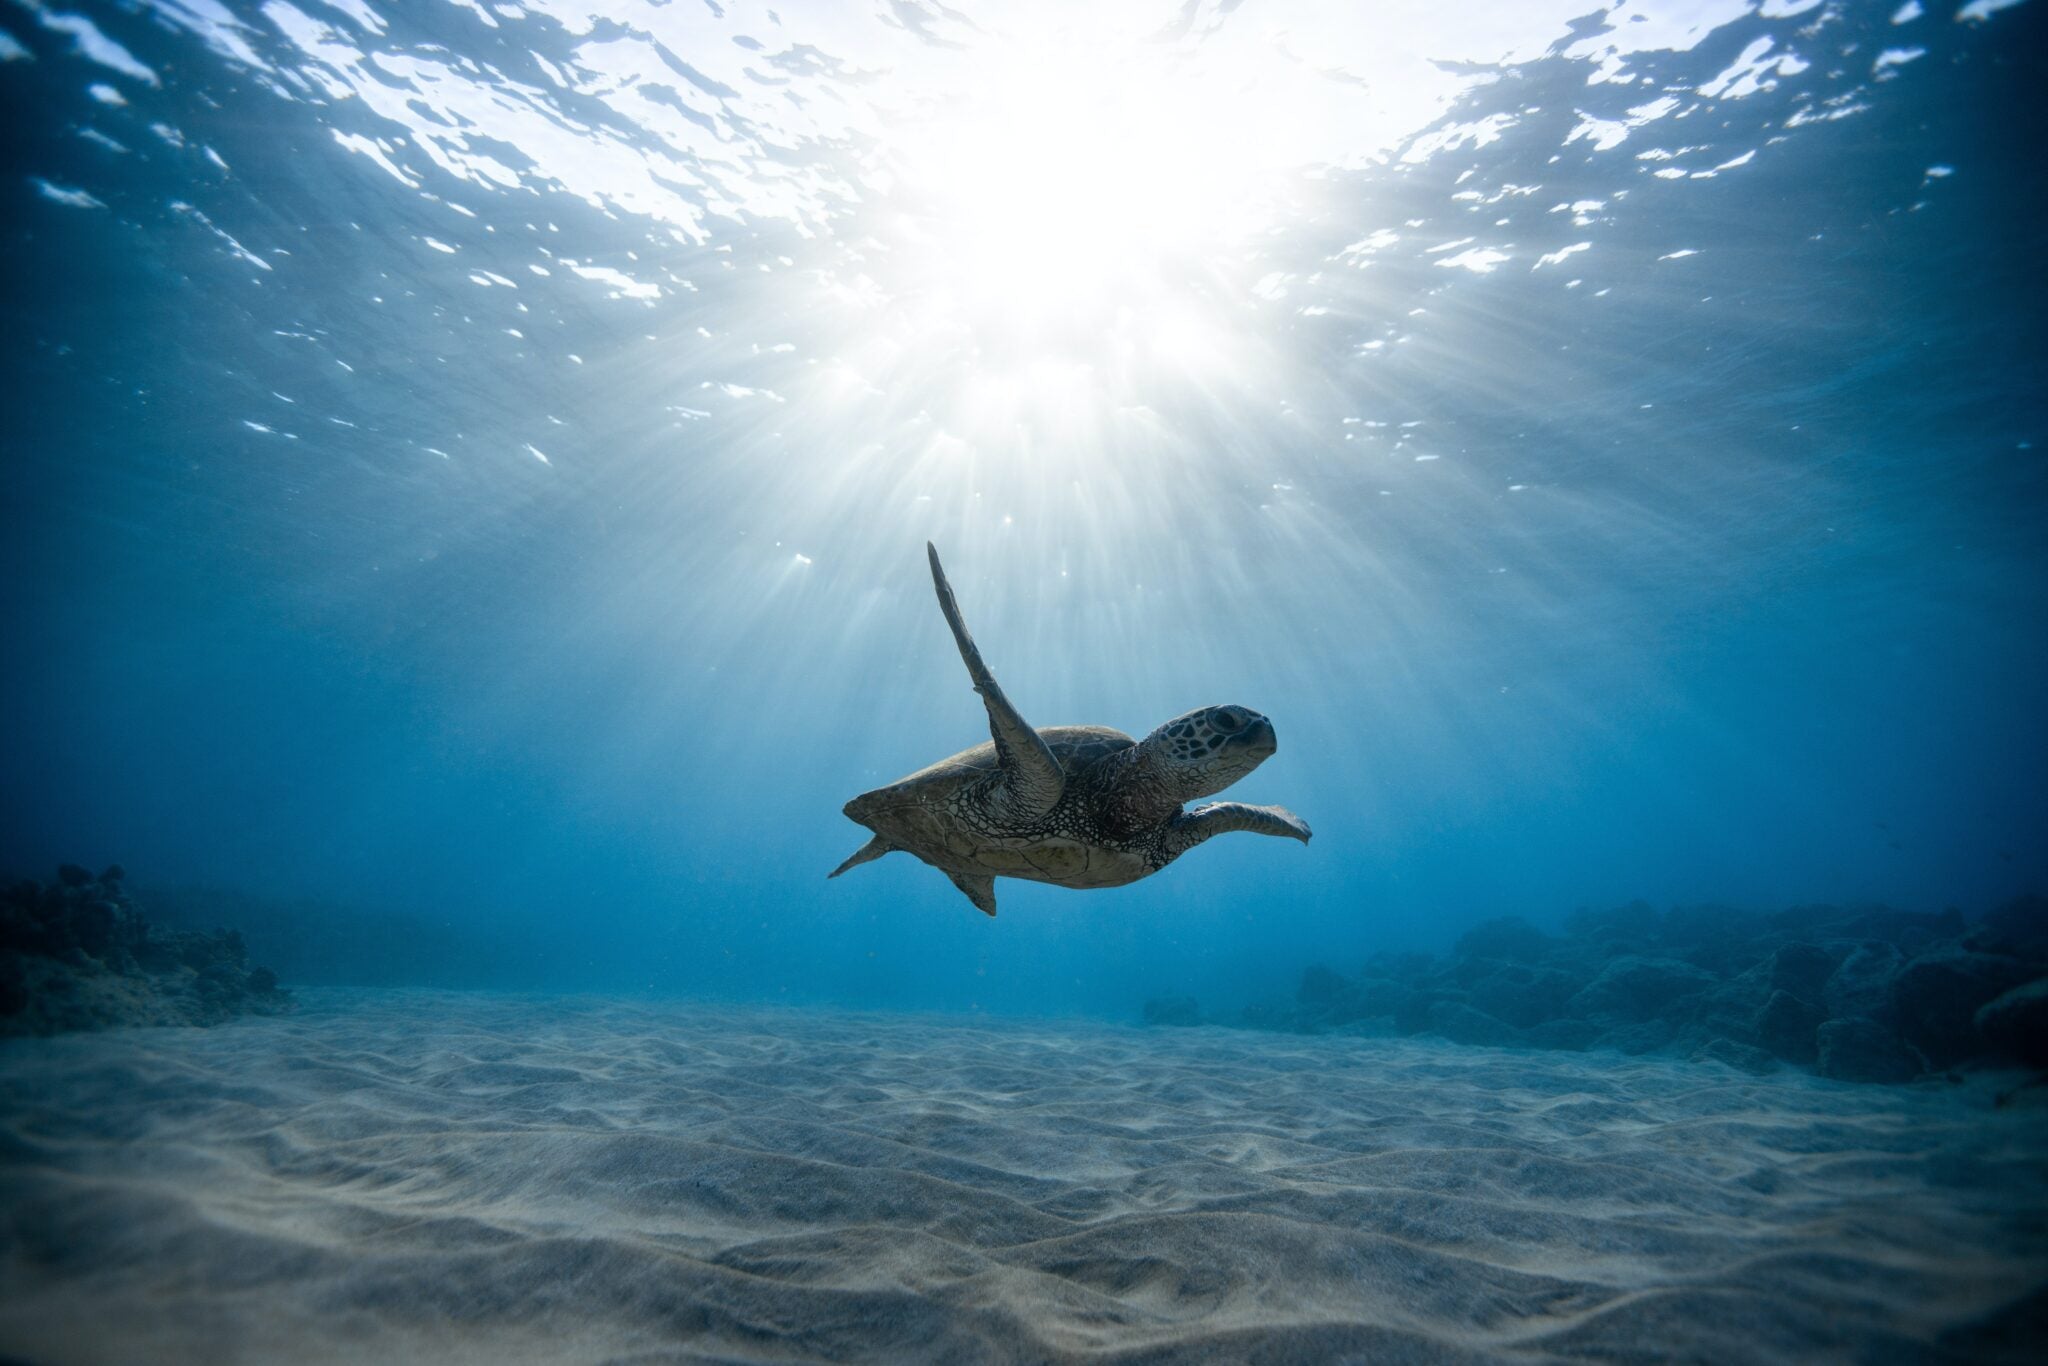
<point>405,1176</point>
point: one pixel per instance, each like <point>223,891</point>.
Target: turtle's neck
<point>1134,792</point>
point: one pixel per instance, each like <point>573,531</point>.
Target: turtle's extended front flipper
<point>1189,829</point>
<point>1031,777</point>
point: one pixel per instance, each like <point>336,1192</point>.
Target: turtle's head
<point>1205,751</point>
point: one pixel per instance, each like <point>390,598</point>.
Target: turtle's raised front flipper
<point>1186,831</point>
<point>980,889</point>
<point>1031,778</point>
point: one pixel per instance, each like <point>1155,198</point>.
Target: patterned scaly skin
<point>1115,821</point>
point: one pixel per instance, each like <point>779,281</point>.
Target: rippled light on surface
<point>1110,287</point>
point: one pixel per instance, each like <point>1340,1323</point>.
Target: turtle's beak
<point>1258,737</point>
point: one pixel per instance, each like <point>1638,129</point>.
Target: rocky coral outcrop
<point>76,954</point>
<point>1855,993</point>
<point>2016,1023</point>
<point>1861,1049</point>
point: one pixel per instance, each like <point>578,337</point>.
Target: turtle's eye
<point>1228,718</point>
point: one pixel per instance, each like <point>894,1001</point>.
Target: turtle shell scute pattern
<point>939,814</point>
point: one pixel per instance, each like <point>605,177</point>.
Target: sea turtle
<point>1076,806</point>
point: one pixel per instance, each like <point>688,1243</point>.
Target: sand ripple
<point>413,1176</point>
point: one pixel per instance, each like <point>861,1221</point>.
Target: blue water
<point>472,462</point>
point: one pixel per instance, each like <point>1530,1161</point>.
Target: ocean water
<point>468,468</point>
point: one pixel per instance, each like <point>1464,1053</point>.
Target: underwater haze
<point>471,463</point>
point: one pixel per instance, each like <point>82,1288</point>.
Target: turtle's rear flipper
<point>979,888</point>
<point>867,853</point>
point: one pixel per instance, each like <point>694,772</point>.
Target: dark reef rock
<point>1864,1050</point>
<point>1862,993</point>
<point>2018,929</point>
<point>1740,1056</point>
<point>75,954</point>
<point>1460,1023</point>
<point>2016,1024</point>
<point>1632,988</point>
<point>1412,1011</point>
<point>1787,1027</point>
<point>1643,1036</point>
<point>1373,997</point>
<point>1803,969</point>
<point>314,941</point>
<point>1331,1000</point>
<point>1937,996</point>
<point>1525,996</point>
<point>1862,986</point>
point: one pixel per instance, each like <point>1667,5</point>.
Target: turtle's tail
<point>867,853</point>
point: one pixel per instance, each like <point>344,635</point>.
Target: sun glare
<point>1069,198</point>
<point>1053,288</point>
